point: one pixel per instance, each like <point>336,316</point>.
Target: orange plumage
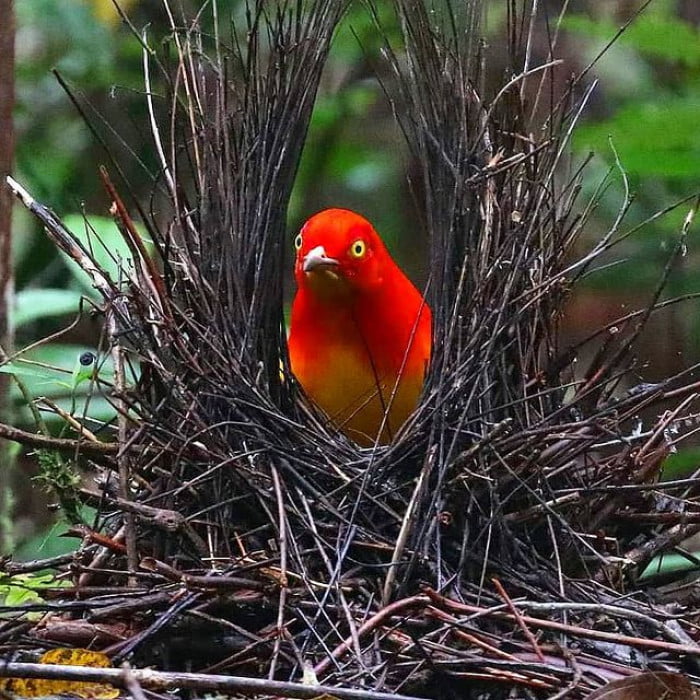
<point>360,334</point>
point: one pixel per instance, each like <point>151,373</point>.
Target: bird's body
<point>360,333</point>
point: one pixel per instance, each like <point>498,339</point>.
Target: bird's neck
<point>343,310</point>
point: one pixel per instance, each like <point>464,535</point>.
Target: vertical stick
<point>123,457</point>
<point>7,101</point>
<point>283,572</point>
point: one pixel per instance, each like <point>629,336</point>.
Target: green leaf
<point>652,33</point>
<point>25,589</point>
<point>35,304</point>
<point>54,376</point>
<point>681,464</point>
<point>103,239</point>
<point>97,408</point>
<point>57,378</point>
<point>669,564</point>
<point>33,581</point>
<point>51,543</point>
<point>42,374</point>
<point>652,139</point>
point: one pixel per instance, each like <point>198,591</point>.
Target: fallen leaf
<point>648,686</point>
<point>40,687</point>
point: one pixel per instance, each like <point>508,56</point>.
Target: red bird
<point>360,335</point>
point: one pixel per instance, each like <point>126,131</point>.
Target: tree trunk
<point>7,100</point>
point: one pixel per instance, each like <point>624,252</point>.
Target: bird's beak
<point>316,259</point>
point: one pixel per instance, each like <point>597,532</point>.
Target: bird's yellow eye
<point>297,241</point>
<point>358,249</point>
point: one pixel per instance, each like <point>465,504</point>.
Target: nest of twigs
<point>496,542</point>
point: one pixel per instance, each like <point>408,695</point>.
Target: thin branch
<point>162,680</point>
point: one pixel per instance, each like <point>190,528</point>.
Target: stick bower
<point>498,541</point>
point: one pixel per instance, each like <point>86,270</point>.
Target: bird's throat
<point>326,285</point>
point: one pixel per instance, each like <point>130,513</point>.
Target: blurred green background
<point>647,105</point>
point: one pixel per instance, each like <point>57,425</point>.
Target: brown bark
<point>7,101</point>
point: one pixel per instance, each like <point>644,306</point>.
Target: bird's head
<point>338,253</point>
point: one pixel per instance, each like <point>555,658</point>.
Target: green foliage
<point>51,543</point>
<point>681,464</point>
<point>7,504</point>
<point>33,305</point>
<point>654,126</point>
<point>102,238</point>
<point>354,154</point>
<point>671,564</point>
<point>655,34</point>
<point>644,112</point>
<point>678,465</point>
<point>50,371</point>
<point>60,35</point>
<point>653,139</point>
<point>25,589</point>
<point>58,475</point>
<point>56,472</point>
